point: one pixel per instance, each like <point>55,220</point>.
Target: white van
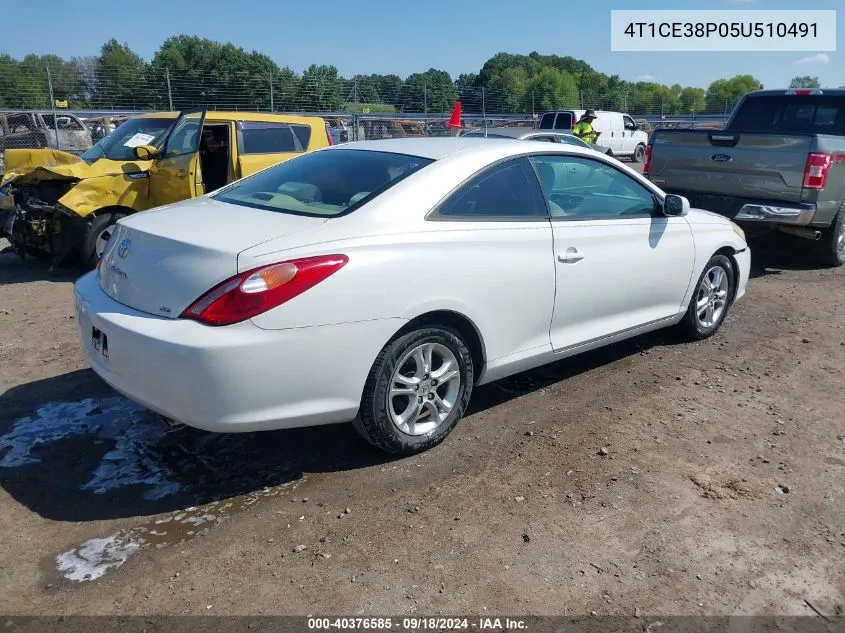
<point>619,132</point>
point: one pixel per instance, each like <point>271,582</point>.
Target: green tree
<point>206,72</point>
<point>553,90</point>
<point>119,75</point>
<point>432,90</point>
<point>322,89</point>
<point>691,100</point>
<point>724,93</point>
<point>805,82</point>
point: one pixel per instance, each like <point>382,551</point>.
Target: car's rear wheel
<point>711,300</point>
<point>417,390</point>
<point>831,247</point>
<point>639,154</point>
<point>97,236</point>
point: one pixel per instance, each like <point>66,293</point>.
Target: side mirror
<point>145,152</point>
<point>675,206</point>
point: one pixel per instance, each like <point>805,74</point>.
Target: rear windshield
<point>815,114</point>
<point>327,183</point>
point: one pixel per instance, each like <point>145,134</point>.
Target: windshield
<point>119,144</point>
<point>572,140</point>
<point>327,183</point>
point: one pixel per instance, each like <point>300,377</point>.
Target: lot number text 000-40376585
<point>723,30</point>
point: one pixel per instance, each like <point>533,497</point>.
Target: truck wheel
<point>831,247</point>
<point>96,237</point>
<point>639,154</point>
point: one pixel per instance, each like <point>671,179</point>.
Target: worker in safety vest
<point>584,128</point>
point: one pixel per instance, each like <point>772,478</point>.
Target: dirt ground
<point>721,491</point>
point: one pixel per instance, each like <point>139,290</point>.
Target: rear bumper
<point>799,215</point>
<point>230,379</point>
<point>751,210</point>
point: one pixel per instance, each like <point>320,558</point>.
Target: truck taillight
<point>329,134</point>
<point>647,160</point>
<point>815,172</point>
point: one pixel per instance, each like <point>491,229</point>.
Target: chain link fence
<point>71,105</point>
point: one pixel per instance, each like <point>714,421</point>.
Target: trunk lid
<point>163,260</point>
<point>723,163</point>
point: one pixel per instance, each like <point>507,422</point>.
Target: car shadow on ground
<point>14,270</point>
<point>772,254</point>
<point>72,450</point>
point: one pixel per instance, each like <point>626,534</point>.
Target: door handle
<point>571,256</point>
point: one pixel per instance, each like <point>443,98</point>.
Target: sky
<point>378,36</point>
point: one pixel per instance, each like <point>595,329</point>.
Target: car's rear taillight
<point>329,135</point>
<point>260,289</point>
<point>647,160</point>
<point>815,171</point>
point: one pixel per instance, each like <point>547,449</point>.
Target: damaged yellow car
<point>63,205</point>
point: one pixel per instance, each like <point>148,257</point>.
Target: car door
<point>630,137</point>
<point>174,174</point>
<point>498,222</point>
<point>262,144</point>
<point>621,263</point>
<point>614,133</point>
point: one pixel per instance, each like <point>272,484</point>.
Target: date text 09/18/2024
<point>417,624</point>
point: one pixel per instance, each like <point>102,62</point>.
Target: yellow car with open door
<point>63,205</point>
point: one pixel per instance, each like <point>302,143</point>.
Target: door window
<point>579,188</point>
<point>268,138</point>
<point>508,190</point>
<point>185,137</point>
<point>630,126</point>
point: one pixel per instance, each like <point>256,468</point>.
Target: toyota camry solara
<point>380,282</point>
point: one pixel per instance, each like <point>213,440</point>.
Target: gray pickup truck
<point>779,163</point>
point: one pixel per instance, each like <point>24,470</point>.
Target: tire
<point>830,249</point>
<point>98,226</point>
<point>693,326</point>
<point>639,154</point>
<point>377,415</point>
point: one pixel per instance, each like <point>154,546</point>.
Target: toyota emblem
<point>123,248</point>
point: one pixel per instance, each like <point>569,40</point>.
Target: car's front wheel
<point>417,389</point>
<point>711,300</point>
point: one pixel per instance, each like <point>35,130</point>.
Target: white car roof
<point>439,147</point>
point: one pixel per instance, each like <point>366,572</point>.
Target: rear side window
<point>509,190</point>
<point>303,135</point>
<point>326,183</point>
<point>563,121</point>
<point>269,138</point>
<point>547,122</point>
<point>814,114</point>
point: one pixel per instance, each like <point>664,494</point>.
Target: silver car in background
<point>532,134</point>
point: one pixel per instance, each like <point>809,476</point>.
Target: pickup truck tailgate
<point>746,165</point>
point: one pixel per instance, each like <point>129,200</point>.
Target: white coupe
<point>379,282</point>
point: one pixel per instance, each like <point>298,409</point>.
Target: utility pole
<point>53,104</point>
<point>533,112</point>
<point>169,93</point>
<point>425,106</point>
<point>272,105</point>
<point>484,111</point>
<point>355,120</point>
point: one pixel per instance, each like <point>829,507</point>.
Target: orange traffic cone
<point>455,119</point>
